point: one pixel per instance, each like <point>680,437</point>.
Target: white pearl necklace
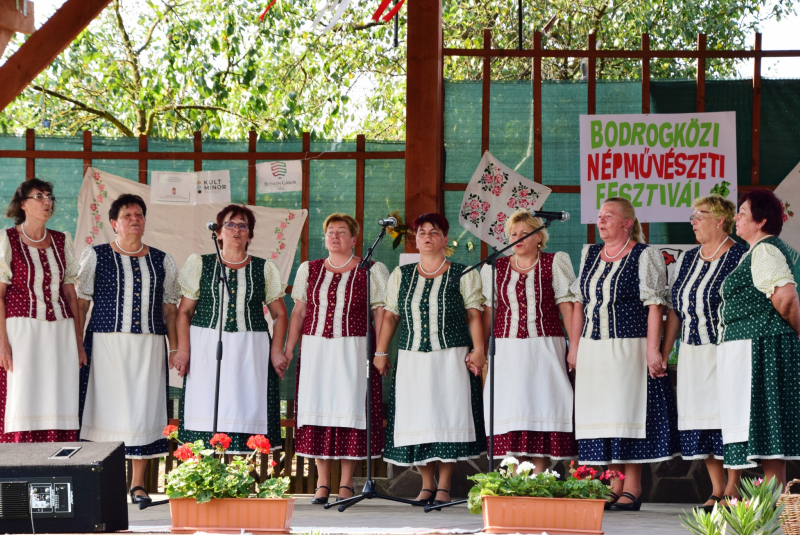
<point>422,269</point>
<point>605,247</point>
<point>343,265</point>
<point>715,252</point>
<point>234,263</point>
<point>516,263</point>
<point>22,226</point>
<point>128,252</point>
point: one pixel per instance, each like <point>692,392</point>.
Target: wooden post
<point>424,104</point>
<point>646,100</point>
<point>306,165</point>
<point>700,100</point>
<point>252,137</point>
<point>486,106</point>
<point>361,146</point>
<point>142,160</point>
<point>537,107</point>
<point>755,133</point>
<point>87,147</point>
<point>30,161</point>
<point>198,148</point>
<point>591,105</point>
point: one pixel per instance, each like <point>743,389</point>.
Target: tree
<point>170,67</point>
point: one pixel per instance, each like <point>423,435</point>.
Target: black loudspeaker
<point>63,487</point>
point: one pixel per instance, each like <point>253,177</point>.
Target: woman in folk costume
<point>693,315</point>
<point>435,410</point>
<point>41,346</point>
<point>533,395</point>
<point>331,312</point>
<point>249,397</point>
<point>758,365</point>
<point>624,404</point>
<point>124,386</point>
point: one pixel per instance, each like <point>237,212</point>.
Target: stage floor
<point>378,516</point>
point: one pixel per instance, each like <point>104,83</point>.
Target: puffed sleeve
<point>652,277</point>
<point>300,286</point>
<point>675,271</point>
<point>575,287</point>
<point>563,277</point>
<point>393,291</point>
<point>770,269</point>
<point>189,277</point>
<point>72,267</point>
<point>273,287</point>
<point>378,279</point>
<point>84,286</point>
<point>472,290</point>
<point>172,290</point>
<point>5,258</point>
<point>486,285</point>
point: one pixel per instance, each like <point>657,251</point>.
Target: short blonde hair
<point>720,208</point>
<point>338,217</point>
<point>524,216</point>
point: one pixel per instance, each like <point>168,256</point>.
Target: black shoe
<point>322,500</point>
<point>441,502</point>
<point>425,501</point>
<point>352,493</point>
<point>136,498</point>
<point>634,505</point>
<point>709,508</point>
<point>614,497</point>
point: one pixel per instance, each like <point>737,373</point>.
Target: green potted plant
<point>514,500</point>
<point>207,494</point>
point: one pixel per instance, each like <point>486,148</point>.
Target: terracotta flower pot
<point>516,514</point>
<point>232,515</point>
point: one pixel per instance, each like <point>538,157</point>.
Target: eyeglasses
<point>698,215</point>
<point>432,234</point>
<point>40,197</point>
<point>230,225</point>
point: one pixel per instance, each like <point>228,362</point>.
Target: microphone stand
<point>490,260</point>
<point>222,279</point>
<point>369,492</point>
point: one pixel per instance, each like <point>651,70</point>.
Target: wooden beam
<point>198,148</point>
<point>143,163</point>
<point>252,139</point>
<point>630,54</point>
<point>424,104</point>
<point>591,106</point>
<point>16,20</point>
<point>305,197</point>
<point>486,107</point>
<point>44,45</point>
<point>700,99</point>
<point>537,109</point>
<point>87,147</point>
<point>30,148</point>
<point>755,132</point>
<point>5,37</point>
<point>361,146</point>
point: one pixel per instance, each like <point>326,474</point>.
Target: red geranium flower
<point>184,453</point>
<point>221,440</point>
<point>170,429</point>
<point>259,443</point>
<point>585,472</point>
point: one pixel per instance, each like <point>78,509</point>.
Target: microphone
<point>388,222</point>
<point>212,226</point>
<point>560,216</point>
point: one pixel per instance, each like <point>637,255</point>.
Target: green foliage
<point>168,69</point>
<point>204,477</point>
<point>523,483</point>
<point>757,513</point>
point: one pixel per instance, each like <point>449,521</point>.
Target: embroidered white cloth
<point>333,382</point>
<point>42,391</point>
<point>494,192</point>
<point>734,374</point>
<point>532,390</point>
<point>620,410</point>
<point>181,230</point>
<point>698,398</point>
<point>433,402</point>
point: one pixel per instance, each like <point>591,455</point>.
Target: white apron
<point>611,388</point>
<point>698,399</point>
<point>242,387</point>
<point>433,402</point>
<point>332,389</point>
<point>42,391</point>
<point>531,391</point>
<point>126,397</point>
<point>734,375</point>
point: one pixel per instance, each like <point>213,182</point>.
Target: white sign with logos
<point>273,177</point>
<point>204,187</point>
